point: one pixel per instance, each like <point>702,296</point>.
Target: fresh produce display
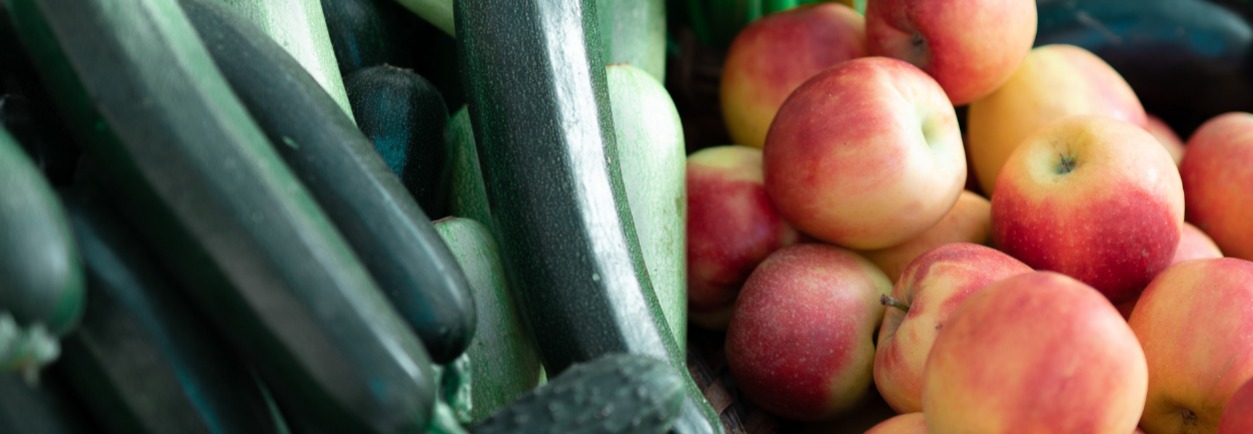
<point>626,216</point>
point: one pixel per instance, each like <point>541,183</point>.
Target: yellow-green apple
<point>971,47</point>
<point>731,227</point>
<point>1195,322</point>
<point>933,286</point>
<point>1237,415</point>
<point>866,154</point>
<point>1193,244</point>
<point>907,423</point>
<point>1052,82</point>
<point>801,340</point>
<point>1092,197</point>
<point>969,221</point>
<point>1035,353</point>
<point>1167,137</point>
<point>1217,176</point>
<point>772,56</point>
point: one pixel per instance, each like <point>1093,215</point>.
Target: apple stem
<point>1068,165</point>
<point>887,300</point>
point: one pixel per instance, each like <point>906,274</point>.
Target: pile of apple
<point>841,248</point>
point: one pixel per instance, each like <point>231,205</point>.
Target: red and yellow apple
<point>1195,323</point>
<point>1035,353</point>
<point>1237,415</point>
<point>1217,174</point>
<point>773,55</point>
<point>731,227</point>
<point>1052,82</point>
<point>908,423</point>
<point>932,287</point>
<point>1167,137</point>
<point>1092,197</point>
<point>969,221</point>
<point>866,154</point>
<point>1193,244</point>
<point>801,340</point>
<point>971,47</point>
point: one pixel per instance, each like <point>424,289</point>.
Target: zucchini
<point>540,112</point>
<point>385,227</point>
<point>366,33</point>
<point>404,116</point>
<point>614,394</point>
<point>300,28</point>
<point>48,407</point>
<point>225,215</point>
<point>653,160</point>
<point>504,364</point>
<point>143,355</point>
<point>634,32</point>
<point>467,196</point>
<point>41,276</point>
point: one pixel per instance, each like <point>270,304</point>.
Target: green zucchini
<point>385,226</point>
<point>614,394</point>
<point>404,116</point>
<point>225,215</point>
<point>366,33</point>
<point>634,32</point>
<point>653,160</point>
<point>467,196</point>
<point>144,356</point>
<point>300,28</point>
<point>536,87</point>
<point>503,361</point>
<point>48,407</point>
<point>41,276</point>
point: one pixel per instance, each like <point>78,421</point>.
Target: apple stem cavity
<point>1067,164</point>
<point>887,300</point>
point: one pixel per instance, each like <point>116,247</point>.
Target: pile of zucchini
<point>258,224</point>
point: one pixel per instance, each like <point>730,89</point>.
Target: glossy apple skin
<point>1237,415</point>
<point>866,154</point>
<point>1112,220</point>
<point>971,47</point>
<point>1195,321</point>
<point>775,54</point>
<point>1035,353</point>
<point>1217,174</point>
<point>969,221</point>
<point>933,286</point>
<point>800,344</point>
<point>731,227</point>
<point>907,423</point>
<point>1052,82</point>
<point>1167,137</point>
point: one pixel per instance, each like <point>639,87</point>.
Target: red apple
<point>1035,353</point>
<point>1193,244</point>
<point>971,47</point>
<point>909,423</point>
<point>866,154</point>
<point>932,287</point>
<point>731,227</point>
<point>969,221</point>
<point>1092,197</point>
<point>1237,415</point>
<point>772,56</point>
<point>801,341</point>
<point>1217,174</point>
<point>1053,81</point>
<point>1167,137</point>
<point>1195,322</point>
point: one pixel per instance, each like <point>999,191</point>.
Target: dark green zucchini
<point>223,213</point>
<point>385,226</point>
<point>366,33</point>
<point>41,276</point>
<point>539,106</point>
<point>614,394</point>
<point>47,407</point>
<point>146,359</point>
<point>404,117</point>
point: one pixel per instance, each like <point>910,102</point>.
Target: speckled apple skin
<point>1217,172</point>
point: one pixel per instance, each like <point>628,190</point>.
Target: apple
<point>1193,244</point>
<point>1237,415</point>
<point>1217,174</point>
<point>1195,323</point>
<point>969,221</point>
<point>971,47</point>
<point>801,340</point>
<point>1167,137</point>
<point>1038,352</point>
<point>1092,197</point>
<point>908,423</point>
<point>932,287</point>
<point>731,227</point>
<point>773,55</point>
<point>1052,82</point>
<point>866,154</point>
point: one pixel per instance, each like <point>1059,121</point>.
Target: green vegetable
<point>634,32</point>
<point>467,195</point>
<point>368,33</point>
<point>47,407</point>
